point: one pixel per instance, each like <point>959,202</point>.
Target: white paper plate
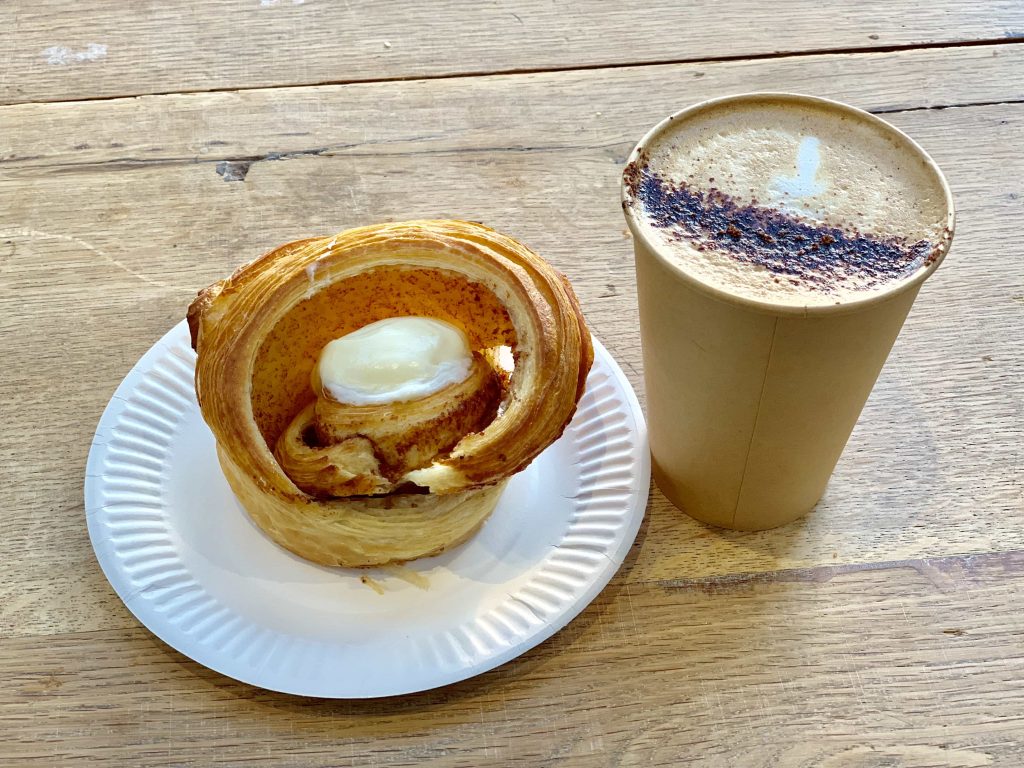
<point>183,556</point>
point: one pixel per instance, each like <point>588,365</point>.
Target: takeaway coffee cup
<point>780,241</point>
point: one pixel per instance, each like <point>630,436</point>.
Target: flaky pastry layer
<point>258,335</point>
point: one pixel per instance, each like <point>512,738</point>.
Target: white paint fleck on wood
<point>61,55</point>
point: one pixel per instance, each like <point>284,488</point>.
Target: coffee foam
<point>787,201</point>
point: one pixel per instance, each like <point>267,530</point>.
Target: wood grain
<point>111,48</point>
<point>880,631</point>
<point>932,469</point>
<point>597,108</point>
<point>897,665</point>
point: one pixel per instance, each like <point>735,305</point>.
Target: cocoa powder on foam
<point>707,190</point>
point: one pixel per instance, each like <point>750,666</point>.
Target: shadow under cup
<point>750,404</point>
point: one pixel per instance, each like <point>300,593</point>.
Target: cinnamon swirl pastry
<point>371,392</point>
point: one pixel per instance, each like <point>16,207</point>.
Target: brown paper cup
<point>750,405</point>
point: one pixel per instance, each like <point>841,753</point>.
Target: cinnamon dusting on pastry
<point>334,449</point>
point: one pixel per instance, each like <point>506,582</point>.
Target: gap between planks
<point>854,51</point>
<point>942,572</point>
<point>339,150</point>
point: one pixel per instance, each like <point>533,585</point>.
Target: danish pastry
<point>371,392</point>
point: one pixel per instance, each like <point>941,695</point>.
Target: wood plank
<point>111,48</point>
<point>598,108</point>
<point>911,664</point>
<point>99,257</point>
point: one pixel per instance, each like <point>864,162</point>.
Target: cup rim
<point>872,297</point>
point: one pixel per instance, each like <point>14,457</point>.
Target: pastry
<point>372,391</point>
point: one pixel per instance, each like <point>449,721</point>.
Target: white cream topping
<point>394,360</point>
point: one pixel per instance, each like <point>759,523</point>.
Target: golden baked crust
<point>336,449</point>
<point>258,335</point>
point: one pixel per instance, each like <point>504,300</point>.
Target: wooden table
<point>147,149</point>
